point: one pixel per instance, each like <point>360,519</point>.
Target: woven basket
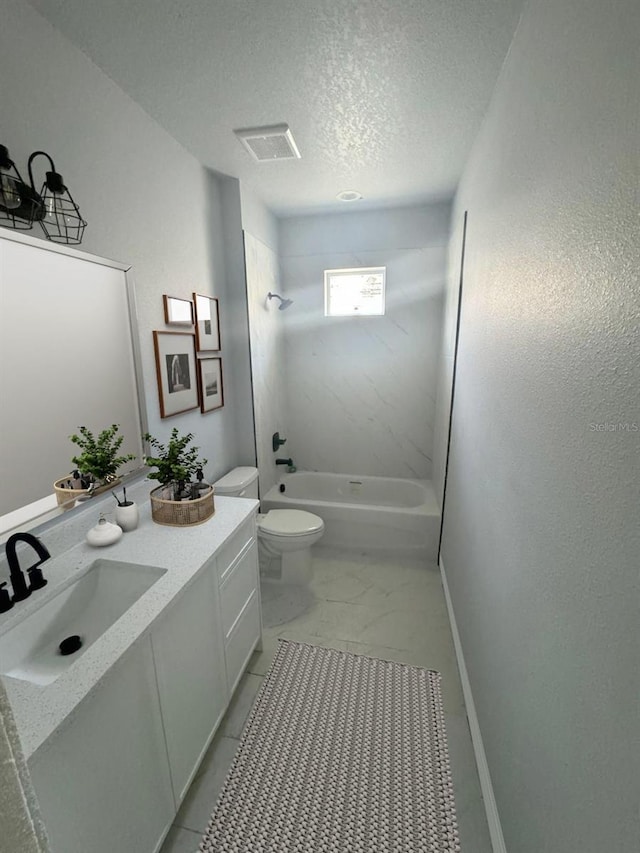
<point>63,495</point>
<point>66,495</point>
<point>181,513</point>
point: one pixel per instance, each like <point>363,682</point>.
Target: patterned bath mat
<point>341,754</point>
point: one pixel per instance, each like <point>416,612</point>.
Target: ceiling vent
<point>269,143</point>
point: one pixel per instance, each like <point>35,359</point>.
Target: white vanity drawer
<point>239,582</point>
<point>230,550</point>
<point>242,641</point>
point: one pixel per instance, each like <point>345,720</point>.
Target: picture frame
<point>176,372</point>
<point>177,311</point>
<point>210,384</point>
<point>207,323</point>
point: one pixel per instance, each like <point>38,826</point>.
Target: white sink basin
<point>87,607</point>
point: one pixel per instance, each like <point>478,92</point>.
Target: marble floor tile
<point>331,620</point>
<point>282,602</point>
<point>401,629</point>
<point>242,702</point>
<point>201,797</point>
<point>412,585</point>
<point>181,841</point>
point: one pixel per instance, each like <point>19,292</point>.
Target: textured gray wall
<point>542,532</point>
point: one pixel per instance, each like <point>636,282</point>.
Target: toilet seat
<point>289,523</point>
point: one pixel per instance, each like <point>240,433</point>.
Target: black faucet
<point>288,462</point>
<point>21,589</point>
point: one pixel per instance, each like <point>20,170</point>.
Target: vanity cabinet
<point>102,780</point>
<point>239,589</point>
<point>112,776</point>
<point>192,683</point>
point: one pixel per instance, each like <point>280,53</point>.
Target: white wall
<point>542,536</point>
<point>361,391</point>
<point>267,356</point>
<point>236,358</point>
<point>257,219</point>
<point>148,202</point>
<point>266,330</point>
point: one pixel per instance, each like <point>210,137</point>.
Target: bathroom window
<point>349,293</point>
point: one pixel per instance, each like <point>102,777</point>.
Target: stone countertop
<point>40,709</point>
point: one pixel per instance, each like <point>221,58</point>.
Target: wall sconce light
<point>54,207</point>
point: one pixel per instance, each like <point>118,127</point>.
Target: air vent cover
<point>269,143</point>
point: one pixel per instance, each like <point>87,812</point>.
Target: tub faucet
<point>36,580</point>
<point>288,462</point>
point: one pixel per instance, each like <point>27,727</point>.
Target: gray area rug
<point>341,754</point>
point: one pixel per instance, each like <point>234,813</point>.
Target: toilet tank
<point>238,483</point>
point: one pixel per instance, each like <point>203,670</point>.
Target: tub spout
<point>287,462</point>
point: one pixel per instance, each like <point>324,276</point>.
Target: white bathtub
<point>364,512</point>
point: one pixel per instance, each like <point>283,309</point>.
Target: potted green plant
<point>182,498</point>
<point>97,465</point>
<point>99,458</point>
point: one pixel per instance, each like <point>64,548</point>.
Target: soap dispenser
<point>199,489</point>
<point>104,533</point>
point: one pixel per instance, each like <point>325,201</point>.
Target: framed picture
<point>177,312</point>
<point>176,372</point>
<point>207,323</point>
<point>210,379</point>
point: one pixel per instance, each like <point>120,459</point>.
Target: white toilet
<point>285,536</point>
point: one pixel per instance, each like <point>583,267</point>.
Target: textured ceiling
<point>384,96</point>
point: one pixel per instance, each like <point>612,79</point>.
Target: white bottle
<point>104,533</point>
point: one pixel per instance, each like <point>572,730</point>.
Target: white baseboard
<point>491,809</point>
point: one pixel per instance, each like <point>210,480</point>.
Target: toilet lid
<point>290,522</point>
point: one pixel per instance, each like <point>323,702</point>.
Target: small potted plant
<point>97,465</point>
<point>182,498</point>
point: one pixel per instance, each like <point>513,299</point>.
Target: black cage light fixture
<point>53,207</point>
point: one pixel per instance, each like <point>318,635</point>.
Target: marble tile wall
<point>362,391</point>
<point>266,324</point>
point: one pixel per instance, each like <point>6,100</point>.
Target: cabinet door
<point>102,780</point>
<point>239,584</point>
<point>242,641</point>
<point>188,649</point>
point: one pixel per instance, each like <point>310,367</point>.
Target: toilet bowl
<point>285,536</point>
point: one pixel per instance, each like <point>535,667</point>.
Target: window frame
<point>361,271</point>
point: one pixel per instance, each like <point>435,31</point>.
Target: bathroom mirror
<point>69,357</point>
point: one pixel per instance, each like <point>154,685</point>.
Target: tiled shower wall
<point>361,391</point>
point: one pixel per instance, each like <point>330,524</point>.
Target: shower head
<point>284,303</point>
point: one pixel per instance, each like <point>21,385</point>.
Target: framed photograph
<point>176,372</point>
<point>207,323</point>
<point>177,312</point>
<point>210,379</point>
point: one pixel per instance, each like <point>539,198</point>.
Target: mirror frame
<point>30,515</point>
